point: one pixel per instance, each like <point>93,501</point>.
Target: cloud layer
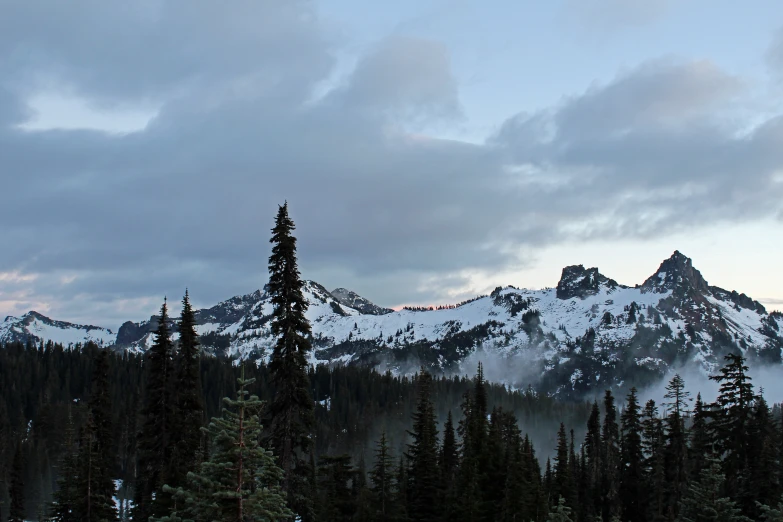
<point>101,221</point>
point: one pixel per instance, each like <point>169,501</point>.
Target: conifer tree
<point>337,501</point>
<point>654,469</point>
<point>771,514</point>
<point>763,457</point>
<point>240,480</point>
<point>731,419</point>
<point>156,432</point>
<point>610,457</point>
<point>562,473</point>
<point>16,491</point>
<point>422,456</point>
<point>382,481</point>
<point>593,463</point>
<point>291,409</point>
<point>449,457</point>
<point>676,449</point>
<point>189,410</point>
<point>701,443</point>
<point>560,513</point>
<point>401,491</point>
<point>704,503</point>
<point>631,462</point>
<point>66,497</point>
<point>100,433</point>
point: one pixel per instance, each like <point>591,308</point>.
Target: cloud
<point>408,75</point>
<point>189,200</point>
<point>602,15</point>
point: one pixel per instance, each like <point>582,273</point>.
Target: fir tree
<point>701,444</point>
<point>703,501</point>
<point>156,433</point>
<point>763,457</point>
<point>382,481</point>
<point>16,491</point>
<point>240,480</point>
<point>336,502</point>
<point>561,513</point>
<point>631,462</point>
<point>189,409</point>
<point>423,456</point>
<point>610,457</point>
<point>102,489</point>
<point>731,419</point>
<point>675,459</point>
<point>593,463</point>
<point>771,514</point>
<point>562,486</point>
<point>291,409</point>
<point>66,497</point>
<point>449,457</point>
<point>654,468</point>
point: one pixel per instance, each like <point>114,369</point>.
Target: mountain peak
<point>353,300</point>
<point>677,272</point>
<point>578,281</point>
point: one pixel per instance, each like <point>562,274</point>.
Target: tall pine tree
<point>155,437</point>
<point>16,491</point>
<point>422,456</point>
<point>291,409</point>
<point>189,411</point>
<point>631,462</point>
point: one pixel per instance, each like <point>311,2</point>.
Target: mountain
<point>35,327</point>
<point>587,333</point>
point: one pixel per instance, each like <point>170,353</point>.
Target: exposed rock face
<point>357,302</point>
<point>578,281</point>
<point>676,274</point>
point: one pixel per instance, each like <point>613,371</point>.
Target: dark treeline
<point>42,387</point>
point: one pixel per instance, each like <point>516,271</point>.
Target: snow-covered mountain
<point>588,332</point>
<point>35,327</point>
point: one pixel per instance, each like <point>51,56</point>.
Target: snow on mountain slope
<point>36,328</point>
<point>587,332</point>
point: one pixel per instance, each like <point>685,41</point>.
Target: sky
<point>428,150</point>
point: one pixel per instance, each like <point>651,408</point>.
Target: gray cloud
<point>189,200</point>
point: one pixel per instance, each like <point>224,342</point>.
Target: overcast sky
<point>429,150</point>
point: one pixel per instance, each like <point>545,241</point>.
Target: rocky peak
<point>578,281</point>
<point>353,300</point>
<point>676,273</point>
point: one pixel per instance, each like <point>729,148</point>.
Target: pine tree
<point>401,492</point>
<point>631,462</point>
<point>102,490</point>
<point>593,463</point>
<point>731,419</point>
<point>701,443</point>
<point>449,458</point>
<point>382,480</point>
<point>240,480</point>
<point>561,513</point>
<point>189,410</point>
<point>763,457</point>
<point>654,466</point>
<point>156,434</point>
<point>336,502</point>
<point>422,456</point>
<point>16,491</point>
<point>610,457</point>
<point>562,473</point>
<point>676,450</point>
<point>703,501</point>
<point>771,514</point>
<point>291,409</point>
<point>66,497</point>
